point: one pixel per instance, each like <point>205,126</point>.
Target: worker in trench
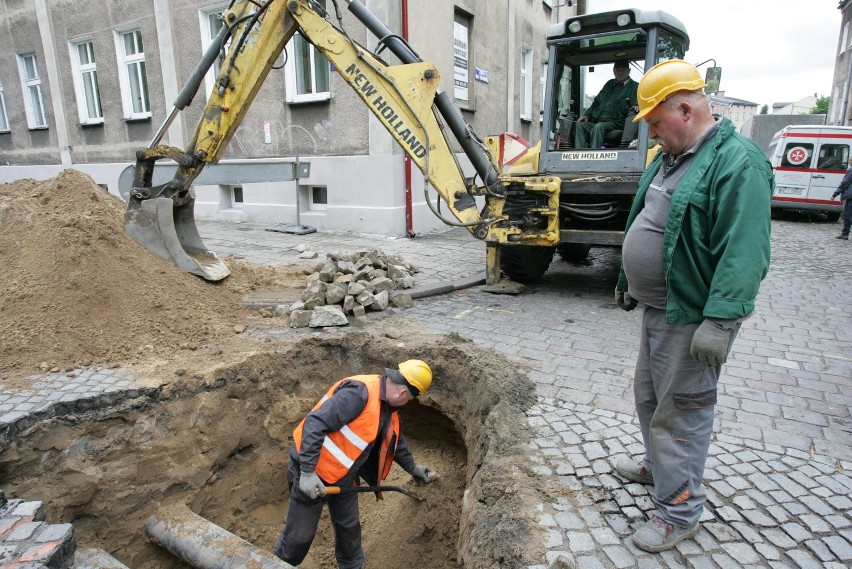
<point>353,433</point>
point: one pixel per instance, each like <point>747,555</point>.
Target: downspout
<point>409,210</point>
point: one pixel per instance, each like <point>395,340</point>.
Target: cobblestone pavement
<point>779,475</point>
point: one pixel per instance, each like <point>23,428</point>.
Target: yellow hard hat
<point>664,79</point>
<point>417,374</point>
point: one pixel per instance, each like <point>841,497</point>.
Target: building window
<point>131,70</point>
<point>844,37</point>
<point>31,86</point>
<point>461,57</point>
<point>319,197</point>
<point>237,196</point>
<point>526,83</point>
<point>211,25</point>
<point>306,71</point>
<point>85,76</point>
<point>4,118</point>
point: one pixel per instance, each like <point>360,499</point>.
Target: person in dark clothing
<point>844,192</point>
<point>609,109</point>
<point>353,433</point>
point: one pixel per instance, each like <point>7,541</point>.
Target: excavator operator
<point>352,433</point>
<point>609,109</point>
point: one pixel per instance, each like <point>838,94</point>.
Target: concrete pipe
<point>203,544</point>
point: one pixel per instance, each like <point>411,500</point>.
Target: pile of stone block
<point>352,284</point>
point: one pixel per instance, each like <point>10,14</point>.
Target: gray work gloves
<point>310,484</point>
<point>423,473</point>
<point>624,300</point>
<point>711,341</point>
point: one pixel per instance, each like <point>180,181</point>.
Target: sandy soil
<point>225,393</point>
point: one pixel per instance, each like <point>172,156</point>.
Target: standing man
<point>353,432</point>
<point>844,192</point>
<point>609,109</point>
<point>694,254</point>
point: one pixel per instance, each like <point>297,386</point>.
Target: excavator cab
<point>598,177</point>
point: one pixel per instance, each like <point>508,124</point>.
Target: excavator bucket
<point>168,230</point>
<point>162,217</point>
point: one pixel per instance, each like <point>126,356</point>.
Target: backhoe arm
<point>400,96</point>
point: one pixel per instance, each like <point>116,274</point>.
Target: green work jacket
<point>716,239</point>
<point>613,108</point>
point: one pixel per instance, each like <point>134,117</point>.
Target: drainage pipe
<point>409,209</point>
<point>203,544</point>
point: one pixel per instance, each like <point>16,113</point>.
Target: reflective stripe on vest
<point>342,448</point>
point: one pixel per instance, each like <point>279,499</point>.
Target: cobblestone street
<point>779,475</point>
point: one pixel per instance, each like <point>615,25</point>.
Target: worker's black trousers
<point>303,514</point>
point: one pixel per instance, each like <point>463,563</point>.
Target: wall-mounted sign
<point>481,74</point>
<point>460,61</point>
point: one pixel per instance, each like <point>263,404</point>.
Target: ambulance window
<point>797,155</point>
<point>833,157</point>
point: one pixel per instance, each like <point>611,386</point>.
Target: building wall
<point>738,114</point>
<point>761,128</point>
<point>840,110</point>
<point>350,152</point>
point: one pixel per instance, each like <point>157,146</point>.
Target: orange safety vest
<point>342,448</point>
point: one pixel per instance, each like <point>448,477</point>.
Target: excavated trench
<point>218,440</point>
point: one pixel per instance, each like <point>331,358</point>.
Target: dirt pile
<point>78,291</point>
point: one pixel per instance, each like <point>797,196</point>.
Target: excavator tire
<point>525,263</point>
<point>573,252</point>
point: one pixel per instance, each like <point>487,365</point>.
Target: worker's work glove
<point>625,301</point>
<point>423,473</point>
<point>310,484</point>
<point>711,341</point>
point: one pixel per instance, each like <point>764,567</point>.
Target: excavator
<point>553,198</point>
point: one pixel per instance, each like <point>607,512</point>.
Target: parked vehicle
<point>809,162</point>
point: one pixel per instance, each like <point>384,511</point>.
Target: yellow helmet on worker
<point>415,374</point>
<point>664,79</point>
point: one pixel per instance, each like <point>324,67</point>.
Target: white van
<point>809,163</point>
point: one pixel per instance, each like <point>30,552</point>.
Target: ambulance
<point>809,162</point>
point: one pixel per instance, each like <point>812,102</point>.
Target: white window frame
<point>124,61</point>
<point>85,75</point>
<point>542,85</point>
<point>208,34</point>
<point>31,89</point>
<point>317,206</point>
<point>292,94</point>
<point>526,83</point>
<point>4,116</point>
<point>238,191</point>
